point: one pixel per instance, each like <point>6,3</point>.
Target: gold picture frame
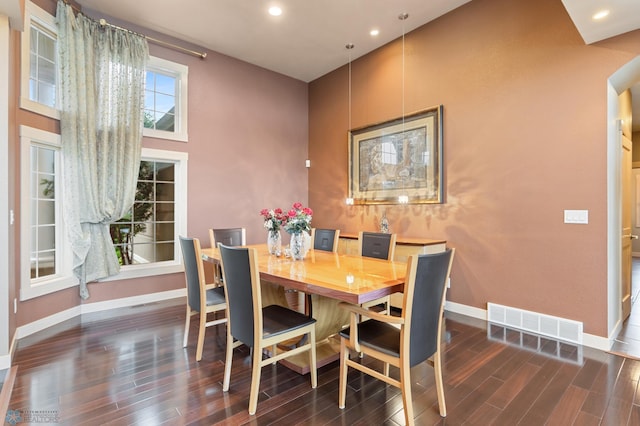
<point>400,158</point>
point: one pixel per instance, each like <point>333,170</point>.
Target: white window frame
<point>33,13</point>
<point>64,278</point>
<point>167,267</point>
<point>181,74</point>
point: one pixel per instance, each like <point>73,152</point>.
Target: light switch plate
<point>576,216</point>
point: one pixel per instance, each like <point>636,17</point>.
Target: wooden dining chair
<point>200,299</point>
<point>228,237</point>
<point>325,239</point>
<point>380,246</point>
<point>403,341</point>
<point>260,328</point>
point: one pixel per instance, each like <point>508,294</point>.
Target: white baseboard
<point>44,323</point>
<point>469,311</point>
<point>5,360</point>
<point>597,342</point>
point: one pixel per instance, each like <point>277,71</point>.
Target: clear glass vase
<point>296,246</point>
<point>274,242</point>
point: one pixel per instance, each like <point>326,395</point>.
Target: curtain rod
<point>103,22</point>
<point>202,55</point>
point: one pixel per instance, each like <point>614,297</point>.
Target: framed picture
<point>398,160</point>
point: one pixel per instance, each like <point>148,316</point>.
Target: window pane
<point>46,212</point>
<point>164,232</point>
<point>46,94</point>
<point>149,99</point>
<point>46,47</point>
<point>165,103</point>
<point>164,252</point>
<point>143,211</point>
<point>46,71</point>
<point>46,238</point>
<point>165,84</point>
<point>146,170</point>
<point>165,212</point>
<point>46,186</point>
<point>45,160</point>
<point>165,192</point>
<point>165,172</point>
<point>165,121</point>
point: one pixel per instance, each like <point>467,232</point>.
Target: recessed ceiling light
<point>374,32</point>
<point>275,11</point>
<point>600,15</point>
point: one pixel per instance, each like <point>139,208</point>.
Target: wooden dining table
<point>328,278</point>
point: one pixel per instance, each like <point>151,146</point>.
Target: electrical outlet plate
<point>576,216</point>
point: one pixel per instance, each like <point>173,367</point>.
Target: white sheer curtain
<point>102,71</point>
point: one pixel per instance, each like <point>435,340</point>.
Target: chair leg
<point>227,361</point>
<point>201,329</point>
<point>437,367</point>
<point>405,387</point>
<point>255,380</point>
<point>386,369</point>
<point>312,358</point>
<point>186,327</point>
<point>344,357</point>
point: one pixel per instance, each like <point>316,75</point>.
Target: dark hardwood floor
<point>128,366</point>
<point>627,343</point>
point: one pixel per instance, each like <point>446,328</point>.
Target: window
<point>145,238</point>
<point>165,103</point>
<point>46,259</point>
<point>39,56</point>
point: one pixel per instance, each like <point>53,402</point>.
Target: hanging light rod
<point>349,47</point>
<point>403,198</point>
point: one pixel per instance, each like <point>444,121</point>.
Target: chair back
<point>228,236</point>
<point>425,291</point>
<point>193,271</point>
<point>377,245</point>
<point>325,239</point>
<point>242,289</point>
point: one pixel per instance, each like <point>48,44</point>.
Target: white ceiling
<point>308,40</point>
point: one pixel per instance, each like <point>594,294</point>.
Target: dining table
<point>327,279</point>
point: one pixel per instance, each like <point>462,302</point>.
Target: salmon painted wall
<point>525,137</point>
<point>248,135</point>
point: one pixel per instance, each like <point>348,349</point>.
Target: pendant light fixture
<point>349,47</point>
<point>403,198</point>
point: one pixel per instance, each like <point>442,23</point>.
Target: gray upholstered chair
<point>200,299</point>
<point>380,246</point>
<point>403,341</point>
<point>228,237</point>
<point>256,326</point>
<point>377,245</point>
<point>325,239</point>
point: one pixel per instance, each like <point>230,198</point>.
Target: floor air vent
<point>546,325</point>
